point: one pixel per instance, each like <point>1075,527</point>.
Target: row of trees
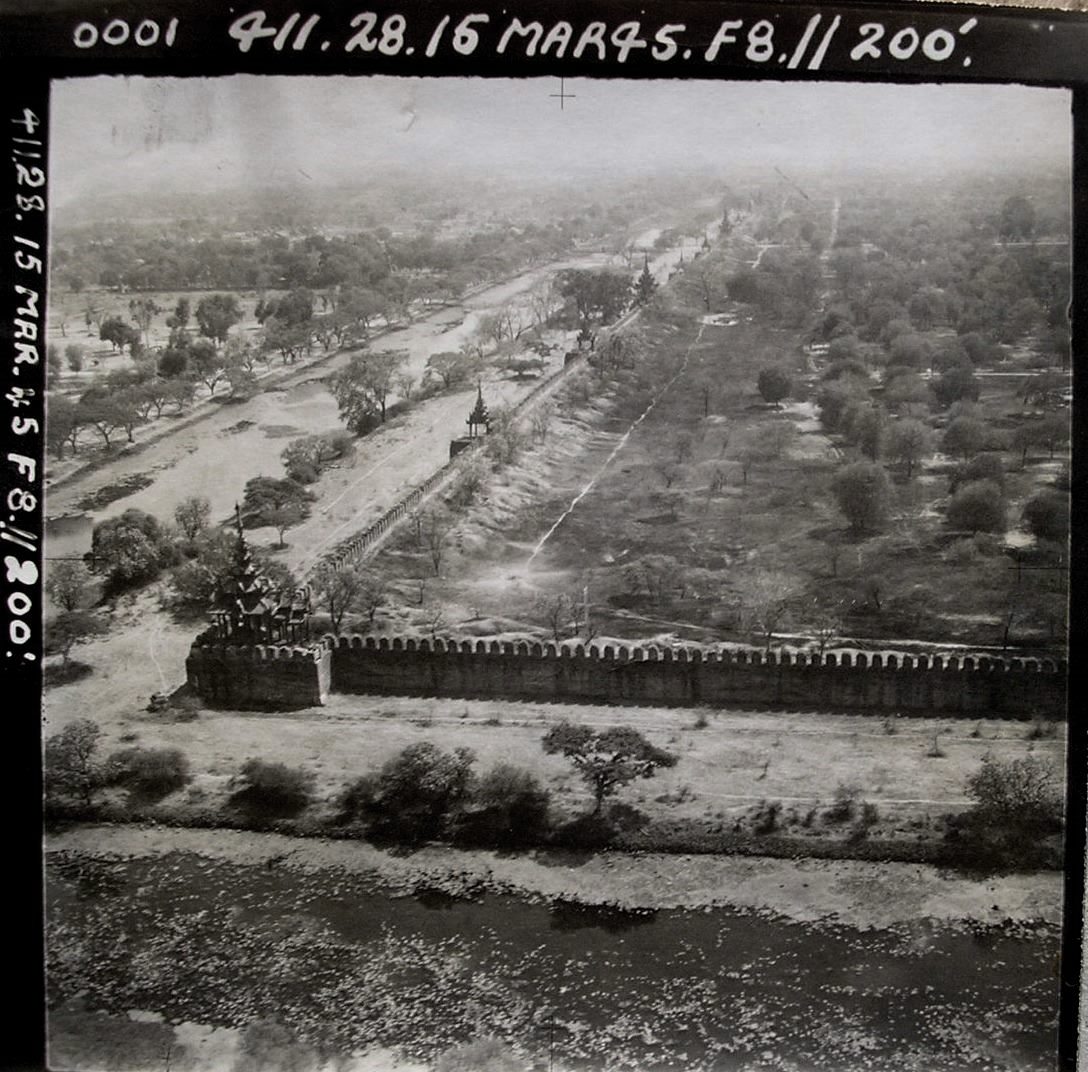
<point>422,793</point>
<point>378,259</point>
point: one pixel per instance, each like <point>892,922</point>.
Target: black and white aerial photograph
<point>556,575</point>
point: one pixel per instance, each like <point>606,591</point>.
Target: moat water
<point>586,988</point>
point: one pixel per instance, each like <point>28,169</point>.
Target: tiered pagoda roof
<point>250,609</point>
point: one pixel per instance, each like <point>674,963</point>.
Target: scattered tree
<point>130,548</point>
<point>119,334</point>
<point>985,466</point>
<point>766,598</point>
<point>217,314</point>
<point>1046,515</point>
<point>263,493</point>
<point>70,766</point>
<point>978,507</point>
<point>206,363</point>
<point>281,518</point>
<point>452,367</point>
<point>957,384</point>
<point>606,759</point>
<point>66,583</point>
<point>143,311</point>
<point>862,492</point>
<point>192,515</point>
<point>909,442</point>
<point>362,389</point>
<point>964,437</point>
<point>338,592</point>
<point>774,385</point>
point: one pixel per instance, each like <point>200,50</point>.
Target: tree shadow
<point>574,916</point>
<point>259,805</point>
<point>65,674</point>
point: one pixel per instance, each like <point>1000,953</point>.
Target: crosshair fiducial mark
<point>562,95</point>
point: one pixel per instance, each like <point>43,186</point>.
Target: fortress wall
<point>643,674</point>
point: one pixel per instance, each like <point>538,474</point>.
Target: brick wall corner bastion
<point>263,676</point>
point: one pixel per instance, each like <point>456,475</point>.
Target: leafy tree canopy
<point>606,759</point>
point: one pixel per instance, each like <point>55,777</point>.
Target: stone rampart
<point>641,673</point>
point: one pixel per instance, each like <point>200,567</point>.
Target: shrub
<point>589,831</point>
<point>507,806</point>
<point>1018,812</point>
<point>766,820</point>
<point>1041,730</point>
<point>846,800</point>
<point>272,789</point>
<point>418,790</point>
<point>1016,793</point>
<point>305,458</point>
<point>150,773</point>
<point>356,799</point>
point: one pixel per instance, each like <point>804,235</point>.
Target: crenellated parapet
<point>609,671</point>
<point>738,654</point>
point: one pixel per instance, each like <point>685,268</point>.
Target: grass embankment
<point>859,894</point>
<point>787,784</point>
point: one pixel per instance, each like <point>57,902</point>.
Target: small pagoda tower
<point>479,417</point>
<point>250,610</point>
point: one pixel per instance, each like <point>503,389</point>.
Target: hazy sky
<point>113,135</point>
